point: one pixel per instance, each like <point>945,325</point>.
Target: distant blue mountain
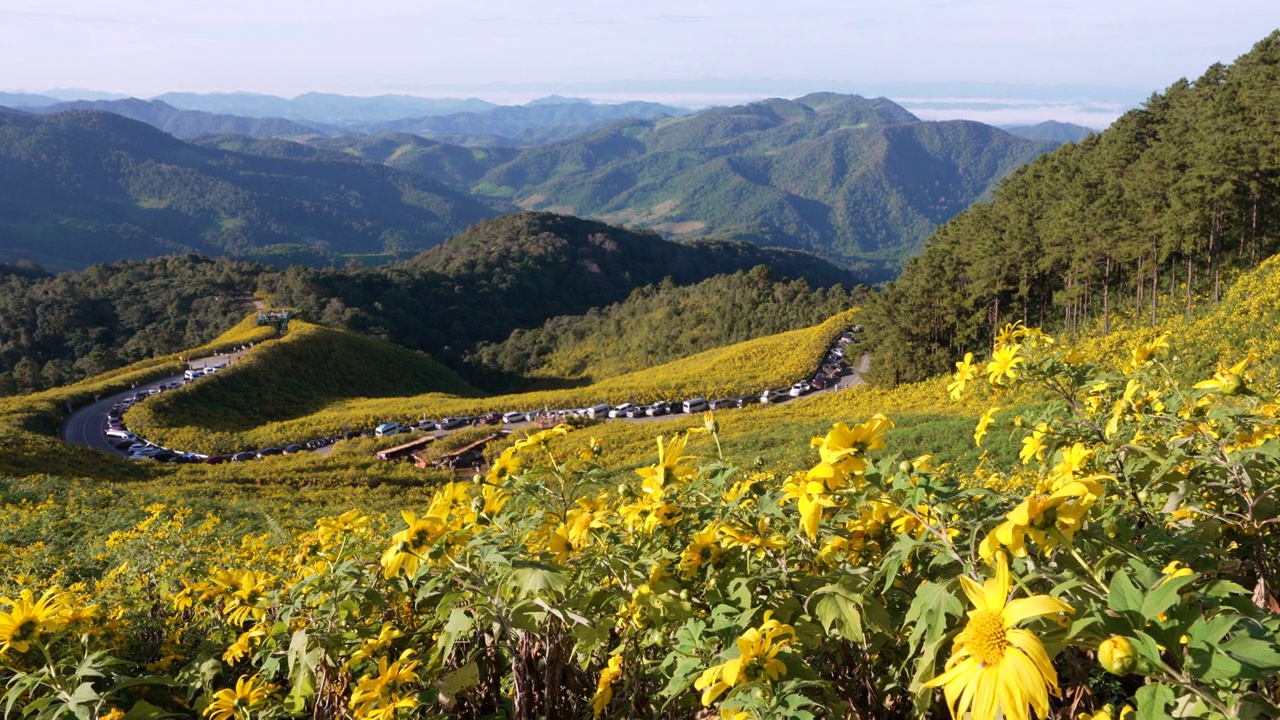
<point>1051,131</point>
<point>326,108</point>
<point>185,123</point>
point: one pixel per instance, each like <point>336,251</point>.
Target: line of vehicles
<point>832,367</point>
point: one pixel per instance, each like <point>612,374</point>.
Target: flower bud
<point>1232,384</point>
<point>1117,655</point>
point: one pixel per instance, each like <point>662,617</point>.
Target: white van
<point>599,411</point>
<point>192,375</point>
<point>389,429</point>
<point>696,405</point>
<point>512,417</point>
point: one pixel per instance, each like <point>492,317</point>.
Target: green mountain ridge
<point>842,176</point>
<point>88,186</point>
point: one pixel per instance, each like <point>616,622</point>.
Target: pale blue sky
<point>286,47</point>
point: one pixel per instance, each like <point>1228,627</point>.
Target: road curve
<point>87,425</point>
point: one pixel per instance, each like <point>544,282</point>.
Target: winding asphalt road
<point>87,425</point>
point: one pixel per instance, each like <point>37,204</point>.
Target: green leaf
<point>929,610</point>
<point>82,700</point>
<point>1123,596</point>
<point>1164,596</point>
<point>1152,701</point>
<point>837,607</point>
<point>464,678</point>
<point>143,710</point>
<point>302,669</point>
<point>529,578</point>
<point>1258,656</point>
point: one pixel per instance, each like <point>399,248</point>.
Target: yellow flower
<point>1228,381</point>
<point>409,545</point>
<point>702,550</point>
<point>671,462</point>
<point>542,437</point>
<point>1175,569</point>
<point>1033,446</point>
<point>759,539</point>
<point>1117,655</point>
<point>1073,462</point>
<point>243,644</point>
<point>507,464</point>
<point>29,618</point>
<point>757,652</point>
<point>1038,515</point>
<point>1143,353</point>
<point>1004,364</point>
<point>810,493</point>
<point>333,528</point>
<point>965,370</point>
<point>984,422</point>
<point>388,634</point>
<point>242,592</point>
<point>250,694</point>
<point>844,447</point>
<point>993,666</point>
<point>604,688</point>
<point>374,696</point>
<point>1107,712</point>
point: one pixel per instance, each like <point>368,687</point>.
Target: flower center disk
<point>984,636</point>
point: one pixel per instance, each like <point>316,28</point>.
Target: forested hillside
<point>55,329</point>
<point>447,163</point>
<point>664,322</point>
<point>517,271</point>
<point>84,187</point>
<point>1152,216</point>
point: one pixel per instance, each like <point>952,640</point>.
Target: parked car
<point>512,417</point>
<point>635,411</point>
<point>244,456</point>
<point>723,403</point>
<point>746,400</point>
<point>217,459</point>
<point>621,410</point>
<point>451,423</point>
<point>264,452</point>
<point>657,409</point>
<point>818,383</point>
<point>798,389</point>
<point>598,411</point>
<point>771,396</point>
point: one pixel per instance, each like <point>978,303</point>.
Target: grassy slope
<point>308,369</point>
<point>734,370</point>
